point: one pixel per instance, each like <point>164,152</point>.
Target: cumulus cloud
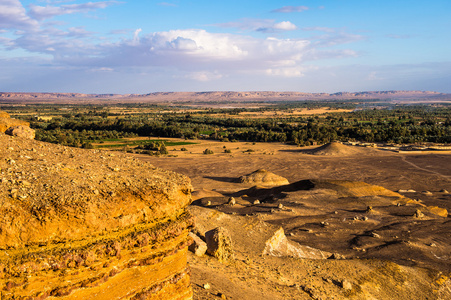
<point>290,9</point>
<point>199,52</point>
<point>286,25</point>
<point>136,36</point>
<point>45,12</point>
<point>14,15</point>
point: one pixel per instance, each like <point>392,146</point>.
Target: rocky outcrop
<point>21,131</point>
<point>7,122</point>
<point>231,236</point>
<point>85,224</point>
<point>219,244</point>
<point>263,177</point>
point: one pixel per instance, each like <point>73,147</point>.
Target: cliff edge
<point>86,224</point>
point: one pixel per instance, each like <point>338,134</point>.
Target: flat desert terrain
<point>381,216</point>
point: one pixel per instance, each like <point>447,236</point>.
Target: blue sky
<point>186,45</point>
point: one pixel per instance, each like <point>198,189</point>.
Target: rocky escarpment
<point>85,224</point>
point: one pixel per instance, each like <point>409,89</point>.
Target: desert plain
<point>332,221</point>
<point>379,217</point>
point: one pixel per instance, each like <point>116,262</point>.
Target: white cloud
<point>290,9</point>
<point>285,72</point>
<point>286,25</point>
<point>102,69</point>
<point>13,15</point>
<point>45,12</point>
<point>136,36</point>
<point>261,25</point>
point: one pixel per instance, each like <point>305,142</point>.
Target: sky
<point>186,45</point>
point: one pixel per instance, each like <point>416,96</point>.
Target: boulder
<point>263,177</point>
<point>259,238</point>
<point>198,247</point>
<point>219,244</point>
<point>21,131</point>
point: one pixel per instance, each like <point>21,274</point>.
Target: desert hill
<point>335,148</point>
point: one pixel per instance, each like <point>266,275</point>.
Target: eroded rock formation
<point>6,122</point>
<point>85,224</point>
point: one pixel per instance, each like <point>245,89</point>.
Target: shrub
<point>87,146</point>
<point>227,151</point>
<point>208,151</point>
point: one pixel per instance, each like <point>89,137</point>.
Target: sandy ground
<point>416,248</point>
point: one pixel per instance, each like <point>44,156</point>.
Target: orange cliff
<point>86,224</point>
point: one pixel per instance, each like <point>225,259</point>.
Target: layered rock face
<point>85,224</point>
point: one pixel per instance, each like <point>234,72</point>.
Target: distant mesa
<point>263,177</point>
<point>335,148</point>
<point>215,96</point>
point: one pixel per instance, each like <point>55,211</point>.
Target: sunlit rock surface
<point>86,224</point>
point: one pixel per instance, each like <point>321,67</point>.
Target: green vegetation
<point>125,125</point>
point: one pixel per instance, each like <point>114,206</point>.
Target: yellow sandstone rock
<point>91,232</point>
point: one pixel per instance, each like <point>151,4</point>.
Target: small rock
<point>280,206</point>
<point>219,294</point>
<point>418,214</point>
<point>346,284</point>
<point>375,235</point>
<point>336,256</point>
<point>256,202</point>
<point>432,245</point>
<point>231,201</point>
<point>198,247</point>
<point>324,224</point>
<point>369,209</point>
<point>444,191</point>
<point>364,219</point>
<point>207,286</point>
<point>208,203</point>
